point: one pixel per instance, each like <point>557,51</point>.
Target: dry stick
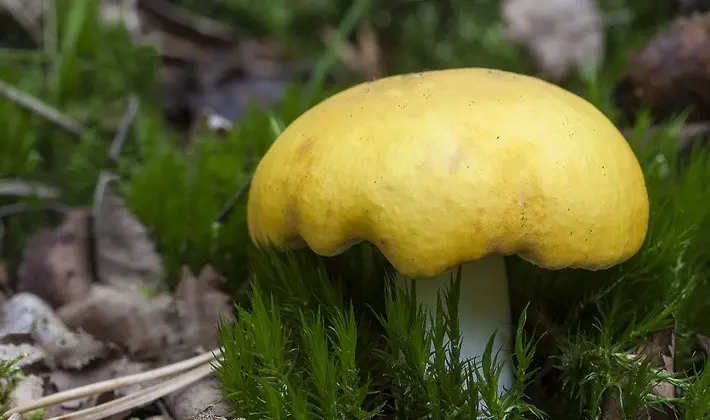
<point>139,398</point>
<point>41,109</point>
<point>111,384</point>
<point>227,209</point>
<point>126,122</point>
<point>20,188</point>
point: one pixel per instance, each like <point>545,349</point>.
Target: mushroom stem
<point>483,307</point>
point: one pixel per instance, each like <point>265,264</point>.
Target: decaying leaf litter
<point>90,305</point>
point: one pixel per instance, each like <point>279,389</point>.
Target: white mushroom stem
<point>483,307</point>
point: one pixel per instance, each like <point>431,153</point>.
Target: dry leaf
<point>209,414</point>
<point>230,100</point>
<point>191,401</point>
<point>661,350</point>
<point>200,305</point>
<point>32,355</point>
<point>27,314</point>
<point>126,318</point>
<point>561,35</point>
<point>55,264</point>
<point>365,59</point>
<point>27,390</point>
<point>76,352</point>
<point>671,74</point>
<point>126,255</point>
<point>27,13</point>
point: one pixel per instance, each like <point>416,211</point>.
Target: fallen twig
<point>18,208</point>
<point>41,109</point>
<point>20,188</point>
<point>126,122</point>
<point>139,398</point>
<point>227,209</point>
<point>109,385</point>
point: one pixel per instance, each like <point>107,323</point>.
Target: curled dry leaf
<point>144,327</point>
<point>126,256</point>
<point>200,306</point>
<point>560,35</point>
<point>30,388</point>
<point>55,264</point>
<point>671,73</point>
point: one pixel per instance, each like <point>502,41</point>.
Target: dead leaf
<point>27,390</point>
<point>661,350</point>
<point>209,414</point>
<point>191,401</point>
<point>230,100</point>
<point>55,263</point>
<point>671,74</point>
<point>32,355</point>
<point>560,35</point>
<point>200,306</point>
<point>28,13</point>
<point>143,326</point>
<point>28,316</point>
<point>15,416</point>
<point>126,256</point>
<point>365,59</point>
<point>77,352</point>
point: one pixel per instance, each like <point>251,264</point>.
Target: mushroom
<point>455,168</point>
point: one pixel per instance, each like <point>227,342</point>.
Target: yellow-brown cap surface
<point>444,167</point>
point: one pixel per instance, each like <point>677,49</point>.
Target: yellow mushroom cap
<point>444,167</point>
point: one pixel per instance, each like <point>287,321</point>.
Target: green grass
<point>333,338</point>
